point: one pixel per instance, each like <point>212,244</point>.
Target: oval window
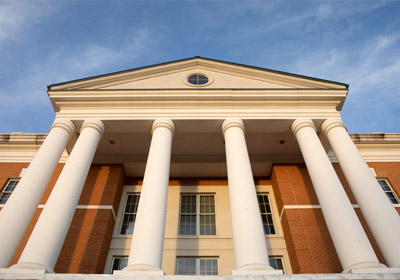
<point>198,79</point>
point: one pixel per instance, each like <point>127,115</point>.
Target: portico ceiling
<point>198,146</point>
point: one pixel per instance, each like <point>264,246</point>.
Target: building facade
<point>199,167</point>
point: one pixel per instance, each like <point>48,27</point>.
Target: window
<point>276,262</point>
<point>129,216</point>
<point>266,213</point>
<point>389,191</point>
<point>198,79</point>
<point>8,189</point>
<point>196,266</point>
<point>119,263</point>
<point>197,215</point>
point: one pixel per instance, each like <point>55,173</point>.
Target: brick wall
<point>86,246</point>
<point>307,238</point>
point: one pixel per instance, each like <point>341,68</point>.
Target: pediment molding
<point>197,64</point>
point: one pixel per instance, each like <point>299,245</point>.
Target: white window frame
<point>197,260</point>
<point>114,258</point>
<point>4,190</point>
<point>271,214</point>
<point>391,189</point>
<point>273,257</point>
<point>198,214</point>
<point>121,220</point>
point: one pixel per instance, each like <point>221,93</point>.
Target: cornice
<point>187,99</point>
<point>196,113</point>
<point>375,138</point>
<point>206,92</point>
<point>383,152</point>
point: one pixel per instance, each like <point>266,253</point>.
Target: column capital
<point>301,123</point>
<point>94,123</point>
<point>228,123</point>
<point>331,123</point>
<point>64,124</point>
<point>167,123</point>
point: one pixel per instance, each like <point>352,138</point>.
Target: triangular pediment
<point>221,75</point>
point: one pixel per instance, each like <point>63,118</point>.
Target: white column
<point>146,250</point>
<point>18,212</point>
<point>382,218</point>
<point>250,249</point>
<point>47,238</point>
<point>348,236</point>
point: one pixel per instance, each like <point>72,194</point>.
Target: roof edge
<point>197,57</point>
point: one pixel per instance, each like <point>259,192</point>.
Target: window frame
<point>198,215</point>
<point>280,258</point>
<point>395,196</point>
<point>121,220</point>
<point>197,264</point>
<point>271,214</point>
<point>4,189</point>
<point>114,258</point>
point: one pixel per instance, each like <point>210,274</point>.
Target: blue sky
<point>354,42</point>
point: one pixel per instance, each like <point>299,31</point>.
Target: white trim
<point>99,207</point>
<point>291,207</point>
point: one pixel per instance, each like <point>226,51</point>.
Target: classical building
<point>199,167</point>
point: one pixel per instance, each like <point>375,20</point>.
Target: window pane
<point>119,263</point>
<point>3,199</point>
<point>197,220</point>
<point>198,79</point>
<point>266,214</point>
<point>389,191</point>
<point>129,217</point>
<point>187,225</point>
<point>7,190</point>
<point>207,225</point>
<point>276,262</point>
<point>196,266</point>
<point>186,266</point>
<point>208,267</point>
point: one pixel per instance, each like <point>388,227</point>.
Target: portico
<point>160,127</point>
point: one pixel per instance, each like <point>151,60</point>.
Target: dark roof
<point>190,58</point>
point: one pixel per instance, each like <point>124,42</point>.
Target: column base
<point>255,269</point>
<point>364,265</point>
<point>139,269</point>
<point>375,270</point>
<point>25,266</point>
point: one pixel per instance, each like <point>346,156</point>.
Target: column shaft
<point>18,212</point>
<point>351,242</point>
<point>382,218</point>
<point>146,250</point>
<point>248,234</point>
<point>47,238</point>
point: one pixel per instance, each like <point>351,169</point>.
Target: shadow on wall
<point>86,245</point>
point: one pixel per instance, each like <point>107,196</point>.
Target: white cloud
<point>372,72</point>
<point>29,89</point>
<point>16,16</point>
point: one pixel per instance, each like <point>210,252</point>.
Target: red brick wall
<point>309,244</point>
<point>88,240</point>
<point>86,246</point>
<point>307,238</point>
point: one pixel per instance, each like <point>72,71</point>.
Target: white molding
<point>93,207</point>
<point>380,152</point>
<point>298,207</point>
